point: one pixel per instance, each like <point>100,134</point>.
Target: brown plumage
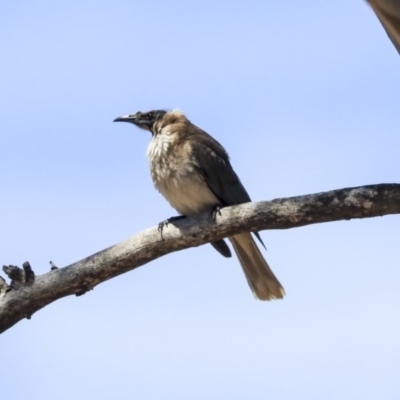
<point>193,172</point>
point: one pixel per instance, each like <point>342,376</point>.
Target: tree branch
<point>28,293</point>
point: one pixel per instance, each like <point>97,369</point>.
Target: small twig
<point>20,277</point>
<point>53,266</point>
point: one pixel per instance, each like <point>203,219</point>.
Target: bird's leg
<point>216,210</point>
<point>166,222</point>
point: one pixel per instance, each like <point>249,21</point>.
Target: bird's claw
<point>166,222</point>
<point>161,226</point>
<point>215,211</point>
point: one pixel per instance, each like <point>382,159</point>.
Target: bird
<point>193,172</point>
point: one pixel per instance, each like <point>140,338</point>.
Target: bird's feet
<point>214,212</point>
<point>166,222</point>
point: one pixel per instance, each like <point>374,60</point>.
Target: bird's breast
<point>176,178</point>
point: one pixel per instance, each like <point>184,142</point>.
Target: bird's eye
<point>149,116</point>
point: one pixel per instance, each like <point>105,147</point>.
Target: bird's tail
<point>259,275</point>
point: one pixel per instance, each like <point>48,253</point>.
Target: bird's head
<point>143,120</point>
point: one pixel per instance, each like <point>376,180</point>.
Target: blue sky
<point>304,96</point>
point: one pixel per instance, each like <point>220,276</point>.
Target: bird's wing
<point>388,12</point>
<point>212,164</point>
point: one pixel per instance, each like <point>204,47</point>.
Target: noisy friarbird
<point>193,172</point>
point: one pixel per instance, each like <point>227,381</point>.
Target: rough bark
<point>28,293</point>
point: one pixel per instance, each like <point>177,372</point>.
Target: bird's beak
<point>126,118</point>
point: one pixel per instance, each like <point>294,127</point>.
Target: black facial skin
<point>142,120</point>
